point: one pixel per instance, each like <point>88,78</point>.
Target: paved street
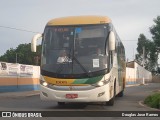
<point>130,102</point>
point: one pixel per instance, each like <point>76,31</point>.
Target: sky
<point>129,17</point>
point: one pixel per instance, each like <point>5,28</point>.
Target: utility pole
<point>158,61</point>
<point>133,54</point>
<point>16,57</point>
<point>36,58</point>
<point>143,82</point>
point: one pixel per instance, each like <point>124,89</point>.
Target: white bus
<point>82,60</point>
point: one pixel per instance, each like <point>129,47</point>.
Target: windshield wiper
<point>61,67</point>
<point>82,67</point>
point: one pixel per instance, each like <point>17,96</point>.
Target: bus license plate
<point>71,96</point>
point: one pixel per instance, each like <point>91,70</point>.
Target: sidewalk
<point>135,85</point>
<point>18,94</point>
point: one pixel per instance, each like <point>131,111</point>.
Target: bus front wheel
<point>111,101</point>
<point>121,94</point>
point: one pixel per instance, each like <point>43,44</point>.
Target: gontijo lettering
<point>61,82</point>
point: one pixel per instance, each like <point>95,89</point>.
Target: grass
<point>153,100</point>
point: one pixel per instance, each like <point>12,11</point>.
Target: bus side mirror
<point>34,42</point>
<point>112,41</point>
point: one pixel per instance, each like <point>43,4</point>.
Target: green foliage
<point>23,54</point>
<point>155,31</point>
<point>153,100</point>
<point>142,42</point>
<point>152,47</point>
<point>149,56</point>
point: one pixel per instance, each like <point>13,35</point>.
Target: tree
<point>24,55</point>
<point>143,42</point>
<point>155,31</point>
<point>152,58</point>
<point>9,56</point>
<point>151,47</point>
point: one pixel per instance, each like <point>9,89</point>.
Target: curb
<point>144,105</point>
<point>135,85</point>
<point>19,94</point>
<point>32,95</point>
<point>132,85</point>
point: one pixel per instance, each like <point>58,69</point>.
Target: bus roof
<point>79,20</point>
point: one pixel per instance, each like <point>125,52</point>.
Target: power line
<point>24,30</point>
<point>129,40</point>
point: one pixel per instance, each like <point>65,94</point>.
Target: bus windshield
<point>72,50</point>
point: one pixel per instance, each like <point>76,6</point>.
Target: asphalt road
<point>129,102</point>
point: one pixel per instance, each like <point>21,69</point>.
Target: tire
<point>111,101</point>
<point>121,94</point>
<point>61,103</point>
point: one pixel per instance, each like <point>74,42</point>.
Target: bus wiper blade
<point>82,67</point>
<point>61,67</point>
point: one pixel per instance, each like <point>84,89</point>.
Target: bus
<point>82,60</point>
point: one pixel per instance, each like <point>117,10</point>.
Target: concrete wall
<point>136,74</point>
<point>18,77</point>
<point>156,79</point>
<point>130,76</point>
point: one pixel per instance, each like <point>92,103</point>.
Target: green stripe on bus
<point>88,80</point>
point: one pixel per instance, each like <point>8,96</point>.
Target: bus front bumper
<point>98,94</point>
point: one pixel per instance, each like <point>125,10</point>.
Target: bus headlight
<point>43,82</point>
<point>102,82</point>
